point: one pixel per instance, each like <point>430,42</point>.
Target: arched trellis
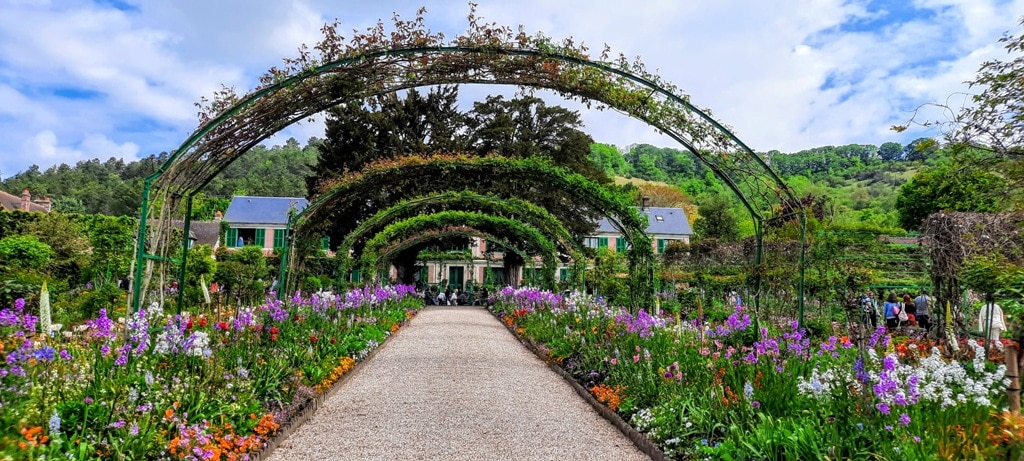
<point>451,231</point>
<point>512,208</point>
<point>417,176</point>
<point>381,61</point>
<point>518,234</point>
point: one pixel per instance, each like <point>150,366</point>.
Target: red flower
<point>312,338</point>
<point>273,337</point>
<point>222,325</point>
<point>202,321</point>
<point>274,330</point>
<point>188,325</point>
<point>334,340</point>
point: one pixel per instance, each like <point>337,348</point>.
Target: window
<point>237,238</point>
<point>279,239</point>
<point>564,274</point>
<point>602,242</point>
<point>659,218</point>
<point>590,242</point>
<point>355,277</point>
<point>621,245</point>
<point>325,243</point>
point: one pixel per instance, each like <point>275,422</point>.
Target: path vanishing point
<point>454,384</point>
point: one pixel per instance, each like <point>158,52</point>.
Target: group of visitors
<point>899,310</point>
<point>450,297</point>
<point>903,311</point>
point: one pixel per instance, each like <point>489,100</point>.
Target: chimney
<point>47,204</point>
<point>645,202</point>
<point>26,200</point>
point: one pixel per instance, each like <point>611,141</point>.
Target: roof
<point>203,232</point>
<point>12,202</point>
<point>262,210</point>
<point>661,221</point>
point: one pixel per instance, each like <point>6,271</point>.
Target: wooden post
<point>1013,372</point>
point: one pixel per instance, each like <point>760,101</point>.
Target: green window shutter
<point>563,274</point>
<point>602,242</point>
<point>278,239</point>
<point>355,275</point>
<point>232,238</point>
<point>621,245</point>
<point>261,237</point>
<point>661,245</point>
<point>325,243</point>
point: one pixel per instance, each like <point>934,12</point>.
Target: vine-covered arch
<point>417,176</point>
<point>513,232</point>
<point>450,231</point>
<point>410,55</point>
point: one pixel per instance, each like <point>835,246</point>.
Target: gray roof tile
<point>673,222</point>
<point>262,210</point>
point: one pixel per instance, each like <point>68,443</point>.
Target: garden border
<point>311,406</point>
<point>639,440</point>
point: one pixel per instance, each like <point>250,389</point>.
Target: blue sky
<point>82,79</point>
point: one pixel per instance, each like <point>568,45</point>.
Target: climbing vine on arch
<point>515,233</point>
<point>408,54</point>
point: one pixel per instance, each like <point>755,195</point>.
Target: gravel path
<point>454,384</point>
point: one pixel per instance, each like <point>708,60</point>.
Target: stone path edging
<point>641,441</point>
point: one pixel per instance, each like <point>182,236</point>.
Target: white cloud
<point>760,67</point>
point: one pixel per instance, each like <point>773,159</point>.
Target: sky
<point>84,79</point>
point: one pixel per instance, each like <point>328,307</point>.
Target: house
<point>11,202</point>
<point>260,221</point>
<point>201,232</point>
<point>664,225</point>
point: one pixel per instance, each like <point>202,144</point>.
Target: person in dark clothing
<point>448,295</point>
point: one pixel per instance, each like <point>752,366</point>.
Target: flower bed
<point>211,386</point>
<point>736,390</point>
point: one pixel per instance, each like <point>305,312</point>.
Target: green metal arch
<point>524,235</point>
<point>397,247</point>
<point>504,64</point>
<point>512,208</point>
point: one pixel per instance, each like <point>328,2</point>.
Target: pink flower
<point>615,361</point>
<point>636,358</point>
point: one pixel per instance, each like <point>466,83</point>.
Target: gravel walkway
<point>454,384</point>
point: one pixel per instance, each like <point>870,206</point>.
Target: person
<point>910,308</point>
<point>448,294</point>
<point>991,319</point>
<point>440,298</point>
<point>428,299</point>
<point>891,312</point>
<point>921,304</point>
<point>869,307</point>
<point>455,297</point>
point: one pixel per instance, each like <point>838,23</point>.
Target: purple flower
<point>883,408</point>
<point>904,420</point>
<point>64,354</point>
<point>19,304</point>
<point>45,353</point>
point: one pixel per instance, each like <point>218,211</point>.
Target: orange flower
<point>168,414</point>
<point>608,395</point>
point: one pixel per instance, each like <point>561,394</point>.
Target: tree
<point>388,126</point>
<point>716,220</point>
<point>920,149</point>
<point>24,251</point>
<point>526,126</point>
<point>948,188</point>
<point>890,151</point>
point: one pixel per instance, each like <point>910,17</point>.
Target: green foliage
<point>716,221</point>
<point>24,252</point>
<point>244,273</point>
<point>948,188</point>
